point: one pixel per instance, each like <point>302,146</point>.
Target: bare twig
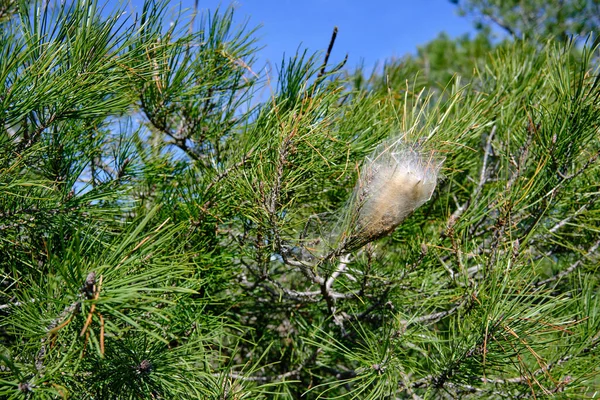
<point>562,223</point>
<point>15,304</point>
<point>566,178</point>
<point>328,294</point>
<point>306,268</point>
<point>329,48</point>
<point>571,268</point>
<point>226,172</point>
<point>281,377</point>
<point>580,170</point>
<point>447,268</point>
<point>277,290</point>
<point>179,139</point>
<point>342,267</point>
<point>434,316</point>
<point>483,177</point>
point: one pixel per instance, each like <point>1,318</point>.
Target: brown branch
<point>224,174</point>
<point>34,137</point>
<point>329,48</point>
<point>273,200</point>
<point>178,140</point>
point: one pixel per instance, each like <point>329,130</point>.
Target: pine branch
<point>589,253</point>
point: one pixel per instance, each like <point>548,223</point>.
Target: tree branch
<point>571,268</point>
<point>329,48</point>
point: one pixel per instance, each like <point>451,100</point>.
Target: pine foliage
<point>166,233</point>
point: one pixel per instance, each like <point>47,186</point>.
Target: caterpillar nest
<point>395,181</point>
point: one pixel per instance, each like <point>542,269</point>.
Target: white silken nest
<point>397,179</point>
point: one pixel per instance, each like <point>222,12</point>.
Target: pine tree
<point>165,233</point>
<point>536,19</point>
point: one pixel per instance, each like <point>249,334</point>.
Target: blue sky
<point>369,31</point>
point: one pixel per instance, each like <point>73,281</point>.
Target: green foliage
<point>163,234</point>
<point>535,18</point>
<point>435,65</point>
